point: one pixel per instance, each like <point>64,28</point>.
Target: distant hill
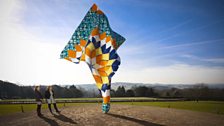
<point>128,85</point>
<point>120,89</point>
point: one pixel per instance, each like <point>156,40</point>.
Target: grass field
<point>202,106</point>
<point>6,109</point>
<point>140,98</point>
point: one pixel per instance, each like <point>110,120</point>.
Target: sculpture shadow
<point>49,121</point>
<point>64,118</point>
<point>140,122</point>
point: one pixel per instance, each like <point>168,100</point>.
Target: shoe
<point>40,115</point>
<point>105,107</point>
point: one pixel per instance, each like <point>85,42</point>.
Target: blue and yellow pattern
<point>96,43</point>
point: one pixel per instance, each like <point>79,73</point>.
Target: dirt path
<point>125,115</point>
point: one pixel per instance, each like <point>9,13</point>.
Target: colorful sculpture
<point>96,43</point>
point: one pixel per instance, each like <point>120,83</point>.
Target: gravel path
<point>125,115</point>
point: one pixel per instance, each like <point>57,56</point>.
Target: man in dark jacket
<point>49,95</point>
<point>39,98</point>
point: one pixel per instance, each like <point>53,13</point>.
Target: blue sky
<point>166,41</point>
<point>170,31</point>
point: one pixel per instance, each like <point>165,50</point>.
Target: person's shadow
<point>49,121</point>
<point>141,122</point>
<point>64,118</point>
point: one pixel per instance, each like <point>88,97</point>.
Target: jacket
<point>48,94</point>
<point>38,95</point>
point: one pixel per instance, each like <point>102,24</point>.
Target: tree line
<point>197,92</point>
<point>12,91</point>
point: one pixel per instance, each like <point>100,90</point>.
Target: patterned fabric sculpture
<point>96,43</point>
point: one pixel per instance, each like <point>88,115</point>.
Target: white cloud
<point>211,60</point>
<point>215,60</point>
<point>174,74</point>
<point>192,44</point>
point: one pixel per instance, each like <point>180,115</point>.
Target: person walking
<point>39,98</point>
<point>49,95</point>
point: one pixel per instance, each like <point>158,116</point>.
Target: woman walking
<point>39,98</point>
<point>49,95</point>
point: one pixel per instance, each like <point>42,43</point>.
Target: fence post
<point>22,109</point>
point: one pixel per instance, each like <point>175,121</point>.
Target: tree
<point>75,92</point>
<point>120,91</point>
<point>149,92</point>
<point>112,93</point>
<point>167,94</point>
<point>129,93</point>
<point>140,91</point>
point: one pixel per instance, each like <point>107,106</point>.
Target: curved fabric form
<point>96,43</point>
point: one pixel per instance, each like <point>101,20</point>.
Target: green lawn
<point>202,106</point>
<point>6,109</point>
<point>140,98</point>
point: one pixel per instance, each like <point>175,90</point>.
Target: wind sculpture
<point>96,43</point>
